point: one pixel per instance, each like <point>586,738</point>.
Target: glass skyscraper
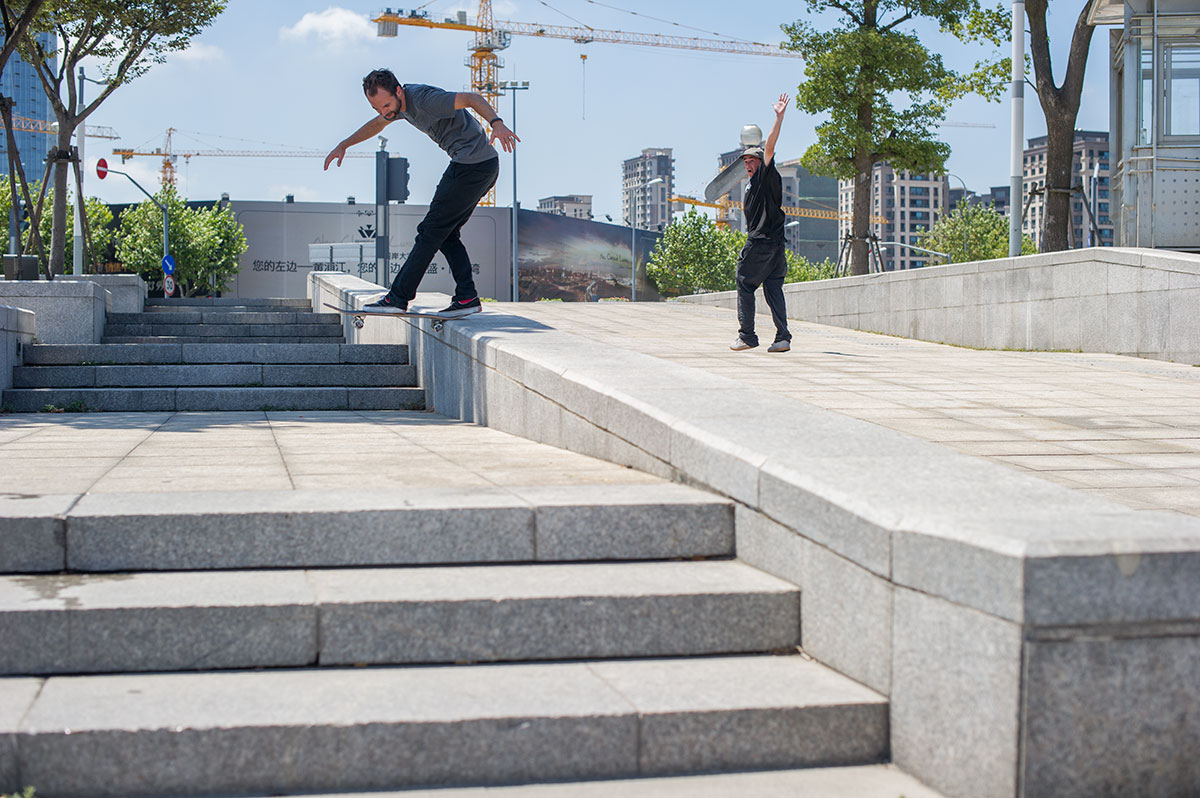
<point>20,82</point>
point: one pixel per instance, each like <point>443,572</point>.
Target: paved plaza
<point>1123,427</point>
<point>278,451</point>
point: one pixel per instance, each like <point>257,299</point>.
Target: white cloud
<point>199,52</point>
<point>335,28</point>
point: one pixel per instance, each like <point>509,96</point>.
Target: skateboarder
<point>474,165</point>
<point>762,260</point>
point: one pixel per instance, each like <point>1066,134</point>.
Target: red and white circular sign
<point>168,285</point>
<point>101,168</point>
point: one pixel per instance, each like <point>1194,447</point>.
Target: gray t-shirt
<point>431,110</point>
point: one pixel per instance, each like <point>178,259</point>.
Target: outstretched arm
<point>367,131</point>
<point>500,131</point>
<point>780,107</point>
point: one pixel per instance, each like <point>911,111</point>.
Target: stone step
<point>192,375</point>
<point>222,339</point>
<point>98,623</point>
<point>221,330</point>
<point>159,303</point>
<point>122,400</point>
<point>381,728</point>
<point>202,316</point>
<point>430,526</point>
<point>861,781</point>
<point>271,352</point>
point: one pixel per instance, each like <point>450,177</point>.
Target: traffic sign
<point>168,264</point>
<point>168,286</point>
<point>102,168</point>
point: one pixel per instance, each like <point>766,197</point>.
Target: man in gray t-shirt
<point>474,165</point>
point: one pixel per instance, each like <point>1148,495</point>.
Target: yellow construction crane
<point>723,205</point>
<point>492,35</point>
<point>169,156</point>
<point>23,124</point>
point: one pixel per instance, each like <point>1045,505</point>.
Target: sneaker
<point>780,346</point>
<point>738,345</point>
<point>385,304</point>
<point>462,307</point>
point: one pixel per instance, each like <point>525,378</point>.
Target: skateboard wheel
<point>438,325</point>
<point>358,322</point>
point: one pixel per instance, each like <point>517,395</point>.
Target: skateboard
<point>359,317</point>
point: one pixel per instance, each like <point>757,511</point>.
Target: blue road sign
<point>168,264</point>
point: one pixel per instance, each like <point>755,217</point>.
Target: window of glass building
<point>1182,85</point>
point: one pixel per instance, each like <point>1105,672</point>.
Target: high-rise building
<point>910,203</point>
<point>998,197</point>
<point>20,83</point>
<point>1089,174</point>
<point>809,237</point>
<point>649,201</point>
<point>576,206</point>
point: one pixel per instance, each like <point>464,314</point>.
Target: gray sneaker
<point>738,345</point>
<point>780,346</point>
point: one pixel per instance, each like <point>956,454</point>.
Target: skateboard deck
<point>439,321</point>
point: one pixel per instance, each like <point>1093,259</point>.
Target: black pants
<point>459,191</point>
<point>762,262</point>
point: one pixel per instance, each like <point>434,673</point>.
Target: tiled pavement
<point>1123,427</point>
<point>160,452</point>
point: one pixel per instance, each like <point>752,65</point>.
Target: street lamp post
<point>633,236</point>
<point>966,191</point>
<point>514,87</point>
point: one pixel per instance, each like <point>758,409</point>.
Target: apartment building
<point>909,203</point>
<point>649,202</point>
<point>576,206</point>
<point>1089,175</point>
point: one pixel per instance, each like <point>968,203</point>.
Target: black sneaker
<point>385,304</point>
<point>462,307</point>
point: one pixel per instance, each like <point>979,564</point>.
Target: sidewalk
<point>274,451</point>
<point>1122,427</point>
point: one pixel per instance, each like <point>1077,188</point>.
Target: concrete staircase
<point>271,642</point>
<point>216,354</point>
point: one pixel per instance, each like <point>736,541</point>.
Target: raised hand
<point>781,105</point>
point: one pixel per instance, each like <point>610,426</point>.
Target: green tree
<point>885,91</point>
<point>802,270</point>
<point>972,232</point>
<point>694,255</point>
<point>99,223</point>
<point>205,244</point>
<point>1060,106</point>
<point>127,37</point>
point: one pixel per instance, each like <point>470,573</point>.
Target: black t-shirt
<point>763,204</point>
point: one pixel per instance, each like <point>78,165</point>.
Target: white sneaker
<point>738,345</point>
<point>780,346</point>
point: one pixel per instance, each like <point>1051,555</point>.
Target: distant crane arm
<point>585,35</point>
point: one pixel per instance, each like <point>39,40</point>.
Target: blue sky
<point>288,73</point>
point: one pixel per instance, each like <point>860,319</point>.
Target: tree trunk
<point>1060,158</point>
<point>58,236</point>
<point>1060,106</point>
<point>860,223</point>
